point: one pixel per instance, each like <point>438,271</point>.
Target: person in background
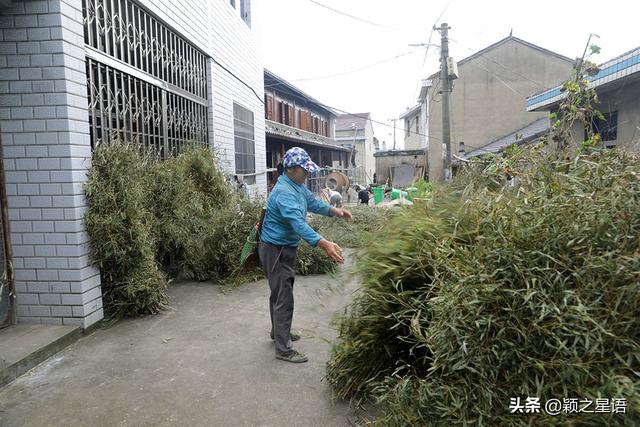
<point>284,224</point>
<point>363,196</point>
<point>335,198</point>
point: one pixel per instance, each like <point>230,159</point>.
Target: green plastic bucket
<point>378,194</point>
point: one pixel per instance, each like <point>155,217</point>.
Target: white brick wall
<point>47,152</point>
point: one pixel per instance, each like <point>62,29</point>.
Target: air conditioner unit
<point>452,66</point>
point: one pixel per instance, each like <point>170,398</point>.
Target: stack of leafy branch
<point>354,234</point>
<point>497,292</point>
<point>424,188</point>
<point>505,290</point>
<point>367,220</point>
<point>149,220</point>
<point>122,234</point>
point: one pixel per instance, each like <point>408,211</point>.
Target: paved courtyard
<point>207,361</point>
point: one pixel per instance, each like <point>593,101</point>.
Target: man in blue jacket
<point>284,224</point>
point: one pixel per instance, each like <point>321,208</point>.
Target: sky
<point>359,67</point>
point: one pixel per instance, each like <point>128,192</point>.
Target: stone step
<point>24,346</point>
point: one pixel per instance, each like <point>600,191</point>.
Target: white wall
<point>369,160</point>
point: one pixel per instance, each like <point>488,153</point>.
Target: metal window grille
<point>146,84</point>
<point>244,142</point>
<point>125,31</point>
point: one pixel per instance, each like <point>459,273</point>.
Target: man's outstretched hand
<point>341,213</point>
<point>332,250</point>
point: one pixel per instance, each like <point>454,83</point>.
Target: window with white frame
<point>244,10</point>
<point>244,140</point>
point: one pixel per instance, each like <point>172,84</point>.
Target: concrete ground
<point>207,361</point>
<point>24,346</point>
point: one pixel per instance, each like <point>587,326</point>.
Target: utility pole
<point>394,134</point>
<point>445,83</point>
<point>394,131</point>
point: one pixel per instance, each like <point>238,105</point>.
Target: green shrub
<point>501,291</point>
<point>424,188</point>
<point>181,215</point>
<point>148,219</point>
<point>313,261</point>
<point>121,231</point>
<point>367,220</point>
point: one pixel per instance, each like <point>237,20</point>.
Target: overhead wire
<point>345,72</point>
<point>365,117</point>
<point>426,53</point>
<point>357,18</point>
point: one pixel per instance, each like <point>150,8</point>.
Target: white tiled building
<point>73,72</point>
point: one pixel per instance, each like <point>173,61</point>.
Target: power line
<point>430,137</point>
<point>361,19</point>
<point>239,79</point>
<point>499,79</point>
<point>329,107</point>
<point>426,53</point>
<point>433,29</point>
<point>338,74</point>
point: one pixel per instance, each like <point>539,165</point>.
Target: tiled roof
<point>520,136</point>
<point>617,68</point>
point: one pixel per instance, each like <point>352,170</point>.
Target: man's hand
<point>341,213</point>
<point>332,250</point>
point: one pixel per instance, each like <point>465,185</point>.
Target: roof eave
<point>299,92</point>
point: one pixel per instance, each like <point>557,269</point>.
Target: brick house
<point>76,72</point>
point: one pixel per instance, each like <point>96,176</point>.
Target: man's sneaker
<point>294,357</point>
<point>293,335</point>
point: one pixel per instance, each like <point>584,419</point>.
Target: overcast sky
<point>361,67</point>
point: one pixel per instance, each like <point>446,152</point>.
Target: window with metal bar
<point>126,108</point>
<point>126,104</point>
<point>125,31</point>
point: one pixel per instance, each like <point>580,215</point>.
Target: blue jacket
<point>285,220</point>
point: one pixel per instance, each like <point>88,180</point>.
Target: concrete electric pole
<point>394,131</point>
<point>445,83</point>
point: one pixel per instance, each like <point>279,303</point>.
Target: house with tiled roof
<point>355,131</point>
<point>617,84</point>
<point>488,100</point>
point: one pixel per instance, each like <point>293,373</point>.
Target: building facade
<point>488,100</point>
<point>617,84</point>
<point>355,131</point>
<point>294,118</point>
<point>76,73</point>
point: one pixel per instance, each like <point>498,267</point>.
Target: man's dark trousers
<point>278,264</point>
